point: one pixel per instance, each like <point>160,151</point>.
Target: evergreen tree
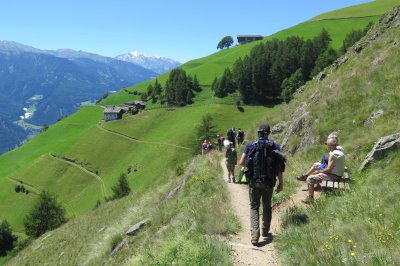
<point>196,84</point>
<point>143,97</point>
<point>189,97</point>
<point>150,90</point>
<point>177,87</point>
<point>157,88</point>
<point>121,189</point>
<point>291,84</point>
<point>325,59</point>
<point>353,37</point>
<point>206,128</point>
<point>7,238</point>
<point>46,215</point>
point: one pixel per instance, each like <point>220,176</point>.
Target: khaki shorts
<point>318,178</point>
<point>230,167</point>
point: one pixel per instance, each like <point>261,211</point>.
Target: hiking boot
<point>302,177</point>
<point>233,180</point>
<point>266,234</point>
<point>254,241</point>
<point>308,200</point>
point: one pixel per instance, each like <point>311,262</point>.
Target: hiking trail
<point>242,251</point>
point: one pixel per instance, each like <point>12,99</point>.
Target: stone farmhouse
<point>115,112</point>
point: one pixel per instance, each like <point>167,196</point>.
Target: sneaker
<point>233,180</point>
<point>254,241</point>
<point>308,200</point>
<point>302,177</point>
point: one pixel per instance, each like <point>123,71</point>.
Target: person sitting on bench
<point>334,170</point>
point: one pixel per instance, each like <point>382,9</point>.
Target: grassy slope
<point>337,23</point>
<point>177,233</point>
<point>361,226</point>
<point>372,8</point>
<point>83,140</point>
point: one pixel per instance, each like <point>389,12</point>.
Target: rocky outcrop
<point>134,229</point>
<point>300,129</point>
<point>175,191</point>
<point>122,245</point>
<point>381,148</point>
<point>321,75</point>
<point>278,128</point>
<point>371,119</point>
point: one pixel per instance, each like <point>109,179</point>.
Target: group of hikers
<point>262,164</point>
<point>231,135</point>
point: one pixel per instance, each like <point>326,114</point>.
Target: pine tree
<point>196,84</point>
<point>206,128</point>
<point>157,88</point>
<point>121,189</point>
<point>7,238</point>
<point>46,215</point>
<point>291,84</point>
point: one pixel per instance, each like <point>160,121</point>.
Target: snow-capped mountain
<point>156,64</point>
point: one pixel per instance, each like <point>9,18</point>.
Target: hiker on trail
<point>231,161</point>
<point>230,135</point>
<point>263,162</point>
<point>210,146</point>
<point>204,147</point>
<point>321,165</point>
<point>220,141</point>
<point>332,172</point>
<point>240,136</point>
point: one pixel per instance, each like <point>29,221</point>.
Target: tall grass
<point>183,230</point>
<point>360,226</point>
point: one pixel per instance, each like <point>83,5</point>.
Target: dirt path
<point>242,251</point>
<point>140,141</point>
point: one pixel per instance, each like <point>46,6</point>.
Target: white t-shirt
<point>338,162</point>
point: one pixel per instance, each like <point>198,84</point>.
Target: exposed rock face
<point>175,190</point>
<point>381,148</point>
<point>122,245</point>
<point>278,128</point>
<point>371,119</point>
<point>134,229</point>
<point>321,75</point>
<point>298,128</point>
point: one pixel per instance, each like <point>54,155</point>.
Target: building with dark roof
<point>112,113</point>
<point>242,39</point>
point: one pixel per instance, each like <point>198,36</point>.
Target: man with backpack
<point>263,162</point>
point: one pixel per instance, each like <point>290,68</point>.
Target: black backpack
<point>261,165</point>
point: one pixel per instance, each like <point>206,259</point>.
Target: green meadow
<point>142,146</point>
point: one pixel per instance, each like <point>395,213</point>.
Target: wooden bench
<point>341,183</point>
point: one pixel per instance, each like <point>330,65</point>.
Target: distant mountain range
<point>156,64</point>
<point>39,87</point>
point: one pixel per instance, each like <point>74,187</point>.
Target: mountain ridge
<point>158,64</point>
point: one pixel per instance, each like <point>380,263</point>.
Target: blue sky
<point>182,30</point>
